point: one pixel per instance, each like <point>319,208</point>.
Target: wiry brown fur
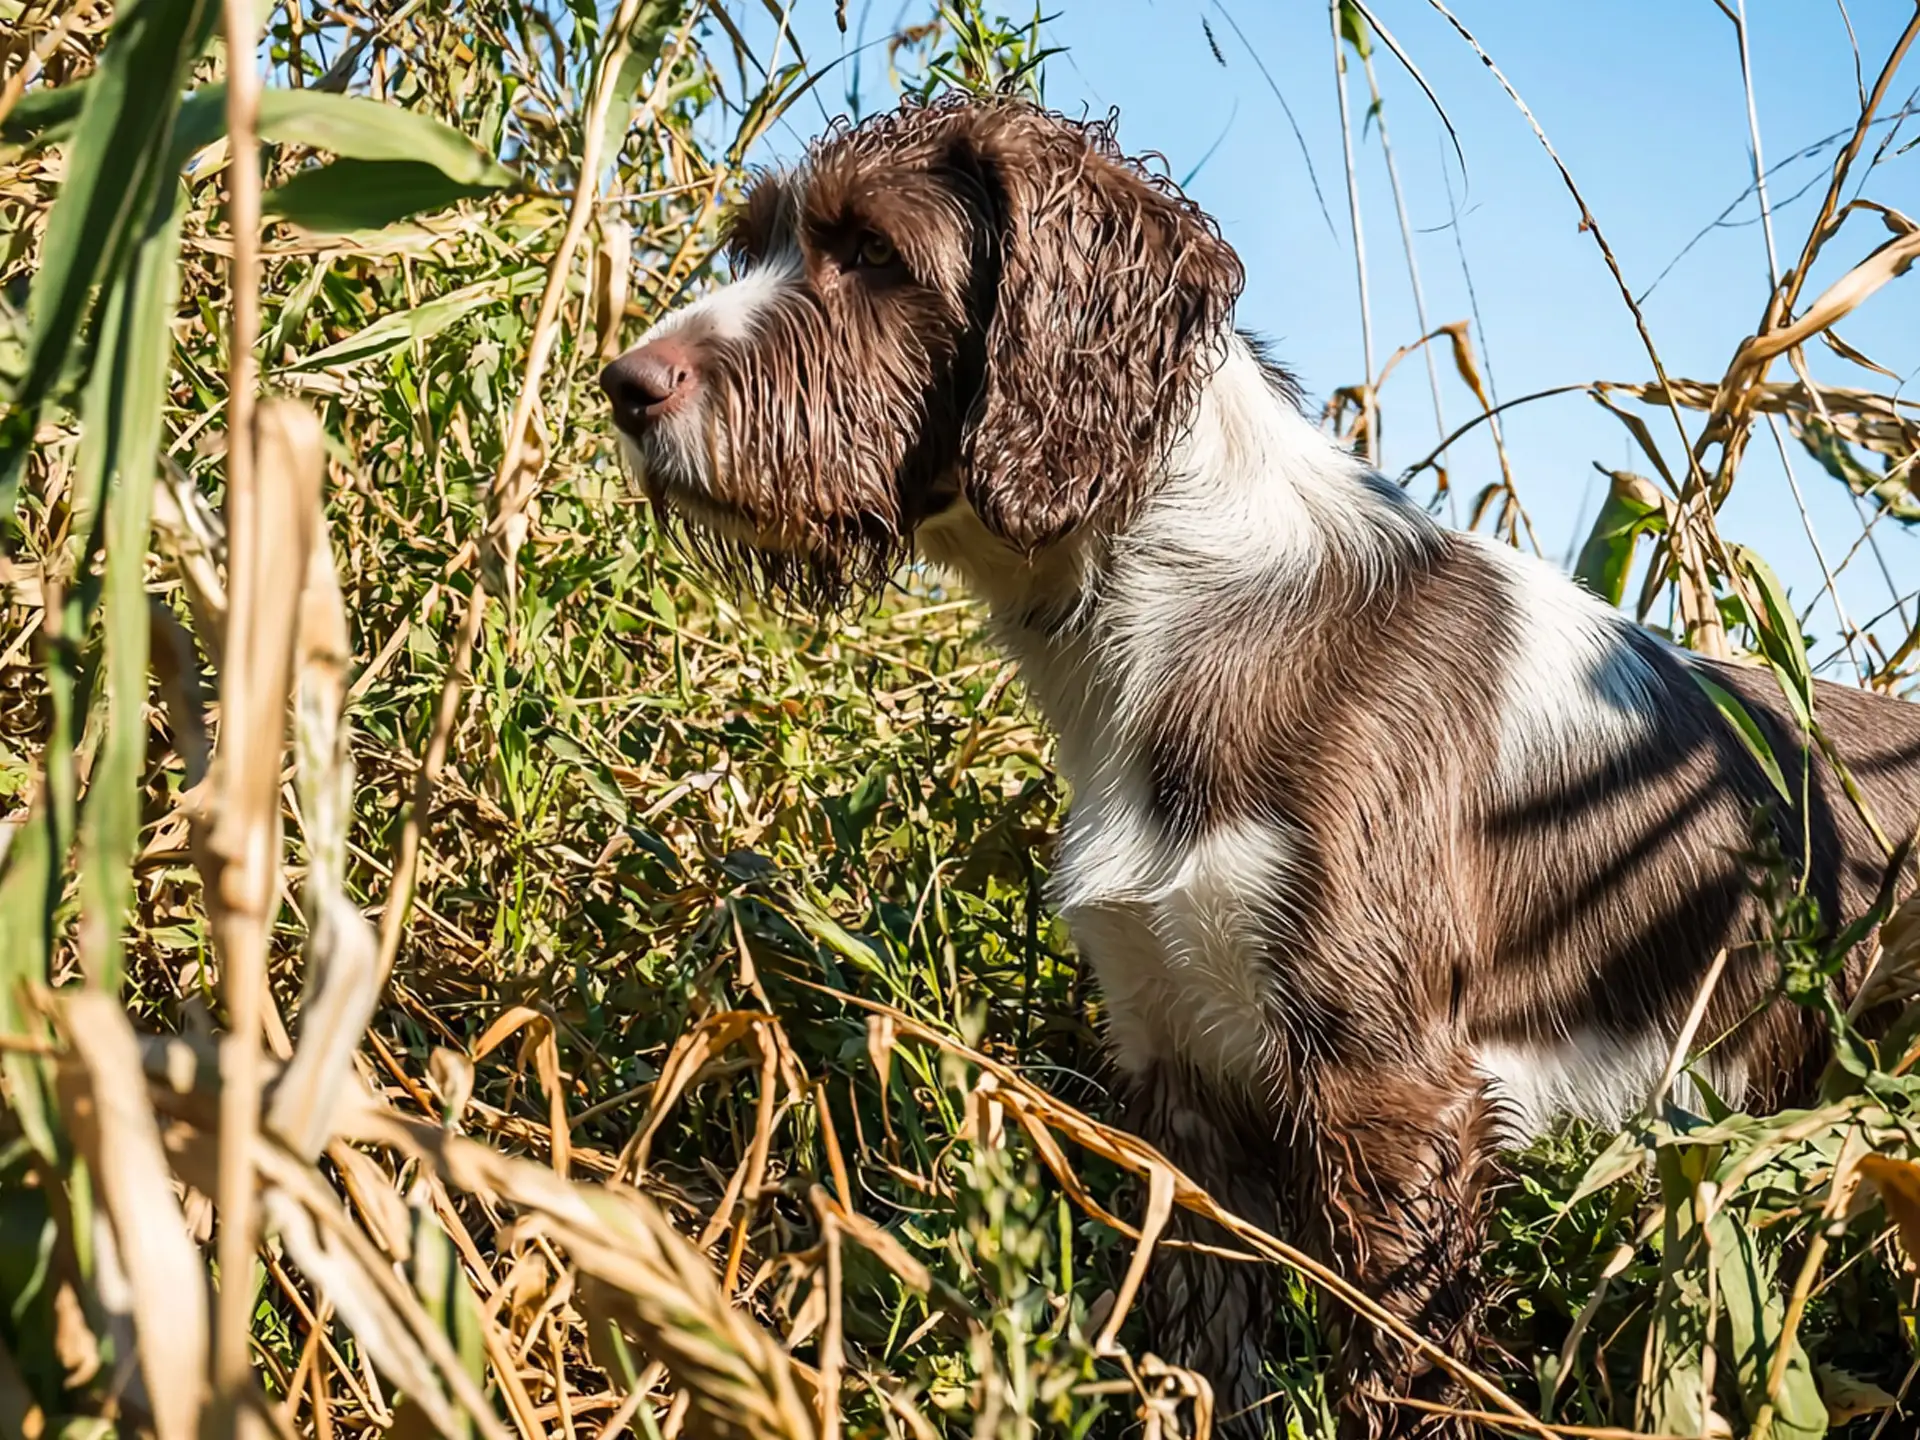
<point>1439,914</point>
<point>1035,345</point>
<point>1026,378</point>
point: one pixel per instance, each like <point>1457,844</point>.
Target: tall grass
<point>459,973</point>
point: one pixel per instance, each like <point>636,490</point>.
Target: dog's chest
<point>1183,935</point>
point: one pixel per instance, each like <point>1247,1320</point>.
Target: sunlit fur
<point>1388,845</point>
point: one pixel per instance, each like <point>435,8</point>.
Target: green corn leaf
<point>366,194</point>
<point>402,327</point>
<point>116,158</point>
<point>295,308</point>
<point>201,121</point>
<point>1752,1316</point>
<point>1751,735</point>
<point>44,117</point>
<point>1634,507</point>
<point>28,895</point>
<point>391,163</point>
<point>121,439</point>
<point>1623,1156</point>
<point>357,128</point>
<point>1779,634</point>
<point>1672,1398</point>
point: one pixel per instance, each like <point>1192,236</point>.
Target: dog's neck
<point>1258,513</point>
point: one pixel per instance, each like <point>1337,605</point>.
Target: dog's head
<point>969,302</point>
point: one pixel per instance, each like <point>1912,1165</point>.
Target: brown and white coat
<point>1388,845</point>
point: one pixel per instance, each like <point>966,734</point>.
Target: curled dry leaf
<point>343,975</point>
<point>242,842</point>
<point>544,1041</point>
<point>684,1061</point>
<point>104,1089</point>
<point>612,267</point>
<point>1898,1182</point>
<point>1835,303</point>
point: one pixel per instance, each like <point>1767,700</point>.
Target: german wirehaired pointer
<point>1389,845</point>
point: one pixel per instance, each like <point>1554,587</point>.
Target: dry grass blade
<point>242,825</point>
<point>612,269</point>
<point>237,832</point>
<point>546,1051</point>
<point>342,979</point>
<point>1023,1097</point>
<point>104,1090</point>
<point>739,1380</point>
<point>1159,1211</point>
<point>889,1251</point>
<point>833,1333</point>
<point>1834,304</point>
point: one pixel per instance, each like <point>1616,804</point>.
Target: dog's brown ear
<point>1104,296</point>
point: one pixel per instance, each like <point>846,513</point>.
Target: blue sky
<point>1643,100</point>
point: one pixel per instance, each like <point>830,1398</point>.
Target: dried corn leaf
<point>343,973</point>
<point>1898,1182</point>
<point>112,1121</point>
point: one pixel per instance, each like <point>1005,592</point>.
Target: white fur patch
<point>1187,968</point>
<point>1596,1077</point>
<point>731,312</point>
<point>1590,1075</point>
<point>1256,501</point>
<point>1576,693</point>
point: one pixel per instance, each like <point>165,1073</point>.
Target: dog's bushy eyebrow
<point>753,226</point>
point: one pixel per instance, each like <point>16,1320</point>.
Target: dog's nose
<point>649,383</point>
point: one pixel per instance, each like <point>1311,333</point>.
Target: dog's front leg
<point>1204,1311</point>
<point>1400,1161</point>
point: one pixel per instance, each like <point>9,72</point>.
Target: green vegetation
<point>585,873</point>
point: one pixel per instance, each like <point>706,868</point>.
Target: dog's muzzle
<point>650,384</point>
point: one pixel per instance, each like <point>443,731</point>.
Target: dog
<point>1389,846</point>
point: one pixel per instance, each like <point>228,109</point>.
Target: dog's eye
<point>873,250</point>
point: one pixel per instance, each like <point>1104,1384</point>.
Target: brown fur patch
<point>1035,340</point>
